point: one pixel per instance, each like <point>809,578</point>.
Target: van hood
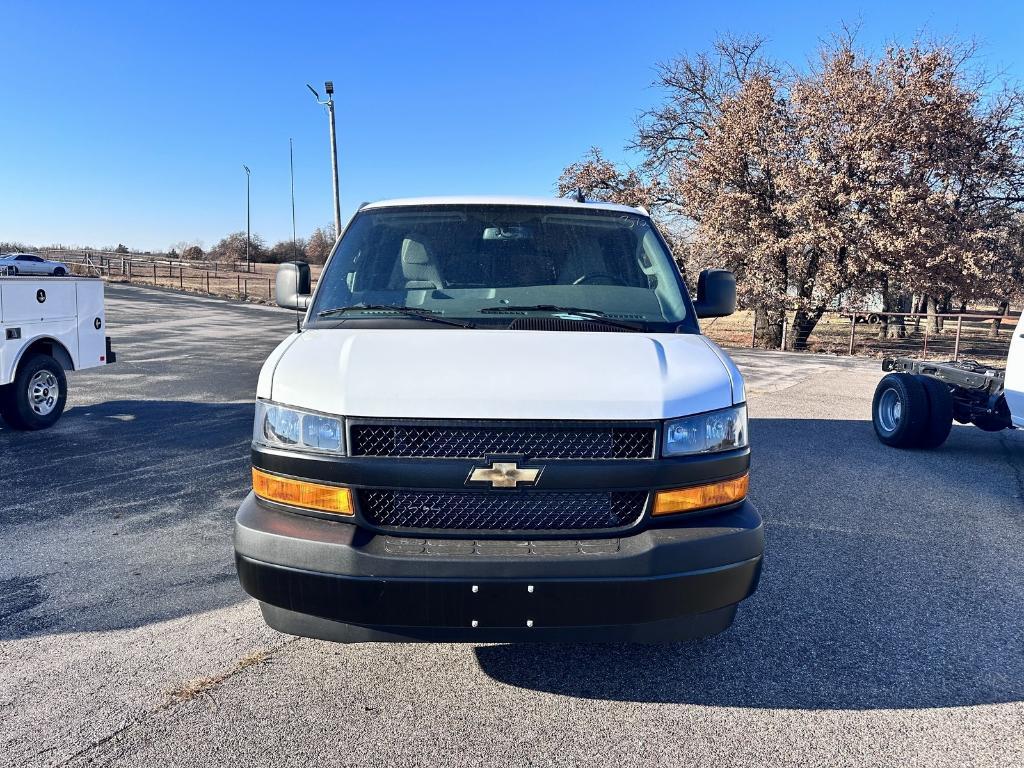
<point>500,374</point>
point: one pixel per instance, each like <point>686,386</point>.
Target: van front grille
<point>460,441</point>
<point>501,510</point>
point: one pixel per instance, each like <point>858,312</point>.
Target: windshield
<point>487,264</point>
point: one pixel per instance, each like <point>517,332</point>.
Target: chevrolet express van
<point>499,422</point>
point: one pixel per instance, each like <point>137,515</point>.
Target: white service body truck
<point>48,325</point>
<point>499,421</point>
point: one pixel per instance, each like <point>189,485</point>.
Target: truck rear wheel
<point>899,410</point>
<point>36,397</point>
<point>940,412</point>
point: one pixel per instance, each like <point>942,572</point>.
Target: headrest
<point>414,252</point>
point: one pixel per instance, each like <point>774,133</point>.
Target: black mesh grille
<point>479,442</point>
<point>501,511</point>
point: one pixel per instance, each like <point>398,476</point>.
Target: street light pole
<point>291,171</point>
<point>248,226</point>
<point>329,87</point>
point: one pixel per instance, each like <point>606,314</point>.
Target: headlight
<point>278,426</point>
<point>707,433</point>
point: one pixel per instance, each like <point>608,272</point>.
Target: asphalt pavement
<point>888,628</point>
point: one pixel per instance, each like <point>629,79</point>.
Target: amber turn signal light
<point>299,493</point>
<point>701,496</point>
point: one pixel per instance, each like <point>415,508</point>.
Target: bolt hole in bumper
<point>334,581</point>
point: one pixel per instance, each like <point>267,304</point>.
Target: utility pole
<point>248,221</point>
<point>291,170</point>
<point>329,88</point>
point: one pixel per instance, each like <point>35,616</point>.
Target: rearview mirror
<point>716,293</point>
<point>292,285</point>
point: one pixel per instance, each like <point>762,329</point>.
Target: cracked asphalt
<point>888,629</point>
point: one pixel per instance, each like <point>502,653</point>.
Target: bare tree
<point>320,243</point>
<point>286,250</point>
<point>231,249</point>
<point>193,253</point>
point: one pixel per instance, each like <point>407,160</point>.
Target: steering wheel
<point>611,279</point>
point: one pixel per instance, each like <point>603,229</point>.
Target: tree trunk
<point>1004,310</point>
<point>892,327</point>
<point>895,328</point>
<point>934,325</point>
<point>804,322</point>
<point>945,308</point>
<point>918,308</point>
<point>883,325</point>
<point>768,327</point>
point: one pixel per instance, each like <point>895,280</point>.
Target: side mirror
<point>292,285</point>
<point>716,293</point>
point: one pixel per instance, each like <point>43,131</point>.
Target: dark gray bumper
<point>334,580</point>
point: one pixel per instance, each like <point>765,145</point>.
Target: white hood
<point>499,374</point>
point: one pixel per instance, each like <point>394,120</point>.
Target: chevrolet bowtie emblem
<point>503,474</point>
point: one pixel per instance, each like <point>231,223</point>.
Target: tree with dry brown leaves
<point>897,173</point>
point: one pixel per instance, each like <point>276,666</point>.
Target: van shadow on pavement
<point>892,579</point>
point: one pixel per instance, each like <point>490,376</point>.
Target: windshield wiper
<point>415,312</point>
<point>594,315</point>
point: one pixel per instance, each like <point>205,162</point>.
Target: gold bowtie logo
<point>503,475</point>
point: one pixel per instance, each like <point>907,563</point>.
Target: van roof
<point>558,202</point>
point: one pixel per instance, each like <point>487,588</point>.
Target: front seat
<point>418,267</point>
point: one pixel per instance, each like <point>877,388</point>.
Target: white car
<point>30,264</point>
<point>500,422</point>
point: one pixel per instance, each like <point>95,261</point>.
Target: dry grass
<point>203,685</point>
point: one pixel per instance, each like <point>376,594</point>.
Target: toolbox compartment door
<point>92,325</point>
<point>31,301</point>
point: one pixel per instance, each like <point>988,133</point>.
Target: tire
<point>59,272</point>
<point>961,412</point>
<point>30,402</point>
<point>874,319</point>
<point>940,412</point>
<point>899,410</point>
<point>5,392</point>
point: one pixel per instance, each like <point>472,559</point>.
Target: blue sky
<point>129,122</point>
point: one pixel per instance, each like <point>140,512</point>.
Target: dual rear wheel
<point>911,411</point>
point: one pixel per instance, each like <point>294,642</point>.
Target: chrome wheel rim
<point>890,410</point>
<point>43,393</point>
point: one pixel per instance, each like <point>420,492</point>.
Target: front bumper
<point>337,581</point>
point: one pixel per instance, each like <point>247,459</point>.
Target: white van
<point>48,325</point>
<point>499,421</point>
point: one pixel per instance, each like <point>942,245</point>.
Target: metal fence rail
<point>202,277</point>
<point>970,335</point>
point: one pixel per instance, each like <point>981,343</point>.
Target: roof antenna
<point>579,195</point>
